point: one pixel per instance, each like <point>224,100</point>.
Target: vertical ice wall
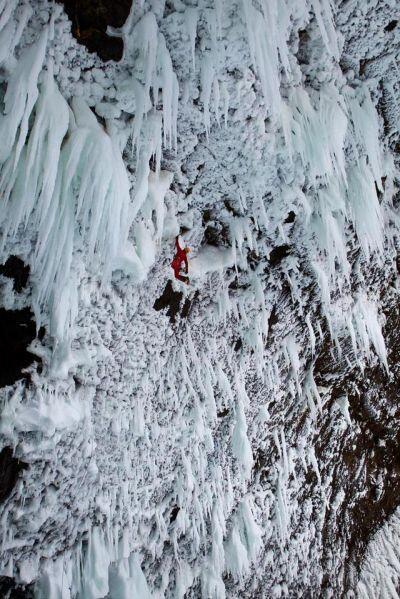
<point>181,456</point>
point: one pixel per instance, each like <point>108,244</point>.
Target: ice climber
<point>180,259</point>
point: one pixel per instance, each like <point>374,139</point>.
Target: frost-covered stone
<point>243,443</point>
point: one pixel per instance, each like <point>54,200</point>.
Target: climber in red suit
<point>180,259</point>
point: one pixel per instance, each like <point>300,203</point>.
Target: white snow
<point>173,459</point>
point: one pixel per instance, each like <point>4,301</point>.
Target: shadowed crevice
<point>10,590</point>
<point>14,268</point>
<point>18,330</point>
<point>278,254</point>
<point>90,19</point>
<point>10,467</point>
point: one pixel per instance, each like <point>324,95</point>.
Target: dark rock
<point>392,25</point>
<point>174,513</point>
<point>14,268</point>
<point>216,235</point>
<point>373,441</point>
<point>211,236</point>
<point>278,254</point>
<point>235,285</point>
<point>10,590</point>
<point>10,468</point>
<point>290,217</point>
<point>303,53</point>
<point>223,413</point>
<point>253,259</point>
<point>90,19</point>
<point>238,344</point>
<point>18,330</point>
<point>206,216</point>
<point>260,460</point>
<point>273,318</point>
<point>230,208</point>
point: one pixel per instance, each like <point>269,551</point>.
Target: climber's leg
<point>181,278</point>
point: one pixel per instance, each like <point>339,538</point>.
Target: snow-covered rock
<point>248,445</point>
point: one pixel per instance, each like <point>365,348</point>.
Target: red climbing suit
<point>180,259</point>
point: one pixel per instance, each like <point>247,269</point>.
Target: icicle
<point>327,26</point>
<point>281,509</point>
<point>7,8</point>
<point>243,398</point>
<point>55,580</point>
<point>311,392</point>
<point>207,77</point>
<point>151,145</point>
<point>368,328</point>
<point>364,208</point>
<point>241,447</point>
<point>311,333</point>
<point>158,187</point>
<point>170,92</point>
<point>287,124</point>
<point>237,559</point>
<point>323,283</point>
<point>185,374</point>
<point>264,53</point>
<point>208,388</point>
<point>219,7</point>
<point>20,98</point>
<point>293,359</point>
<point>51,124</point>
<point>184,579</point>
<point>138,419</point>
<point>141,105</point>
<point>366,132</point>
<point>7,45</point>
<point>129,580</point>
<point>217,99</point>
<point>89,165</point>
<point>97,560</point>
<point>191,18</point>
<point>224,386</point>
<point>211,580</point>
<point>314,463</point>
<point>329,226</point>
<point>144,37</point>
<point>343,404</point>
<point>252,532</point>
<point>212,26</point>
<point>317,134</point>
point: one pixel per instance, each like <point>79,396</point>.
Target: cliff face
<point>237,436</point>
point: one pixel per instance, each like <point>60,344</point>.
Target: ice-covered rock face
<point>237,436</point>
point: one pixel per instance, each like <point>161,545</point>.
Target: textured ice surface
<point>211,456</point>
